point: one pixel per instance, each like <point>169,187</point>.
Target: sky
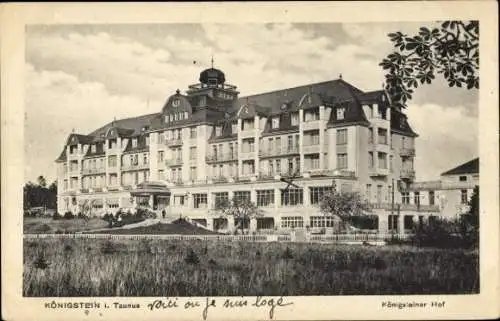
<point>80,77</point>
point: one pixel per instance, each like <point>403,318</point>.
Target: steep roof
<point>471,167</point>
<point>330,91</point>
<point>134,123</point>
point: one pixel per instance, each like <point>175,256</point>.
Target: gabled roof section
<point>62,157</point>
<point>251,109</point>
<point>133,123</point>
<point>79,139</point>
<point>471,167</point>
<point>310,100</point>
<point>99,149</point>
<point>353,110</point>
<point>400,125</point>
<point>328,91</point>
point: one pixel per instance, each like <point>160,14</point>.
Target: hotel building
<point>209,144</point>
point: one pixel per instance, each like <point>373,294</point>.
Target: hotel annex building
<point>210,144</point>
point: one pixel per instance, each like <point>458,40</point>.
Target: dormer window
<point>212,82</point>
<point>93,148</point>
<point>167,119</point>
<point>295,119</point>
<point>218,130</point>
<point>275,123</point>
<point>176,103</point>
<point>176,116</point>
<point>234,128</point>
<point>134,142</point>
<point>181,116</point>
<point>147,140</point>
<point>340,113</point>
<point>185,115</point>
<point>402,122</point>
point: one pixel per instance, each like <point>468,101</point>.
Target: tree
<point>451,50</point>
<point>469,221</point>
<point>41,181</point>
<point>241,209</point>
<point>343,205</point>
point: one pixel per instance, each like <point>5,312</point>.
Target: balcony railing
<point>94,170</point>
<point>408,173</point>
<point>406,207</point>
<point>173,142</point>
<point>219,179</point>
<point>378,171</point>
<point>221,158</point>
<point>407,151</point>
<point>311,148</point>
<point>310,124</point>
<point>247,155</point>
<point>278,152</point>
<point>174,162</point>
<point>128,167</point>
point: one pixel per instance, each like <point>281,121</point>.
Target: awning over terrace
<point>151,188</point>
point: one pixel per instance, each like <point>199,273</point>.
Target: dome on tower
<point>212,76</point>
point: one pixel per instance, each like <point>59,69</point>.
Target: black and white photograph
<point>264,160</point>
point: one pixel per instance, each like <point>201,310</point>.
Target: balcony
<point>405,207</point>
<point>310,124</point>
<point>173,142</point>
<point>84,190</point>
<point>131,167</point>
<point>407,174</point>
<point>221,158</point>
<point>378,172</point>
<point>407,151</point>
<point>247,133</point>
<point>247,155</point>
<point>311,149</point>
<point>88,171</point>
<point>74,172</point>
<point>174,162</point>
<point>265,176</point>
<point>219,179</point>
<point>279,152</point>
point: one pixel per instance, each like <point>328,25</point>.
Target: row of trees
<point>39,194</point>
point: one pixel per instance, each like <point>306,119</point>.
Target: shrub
<point>191,257</point>
<point>287,254</point>
<point>439,232</point>
<point>68,215</point>
<point>108,248</point>
<point>56,216</point>
<point>41,262</point>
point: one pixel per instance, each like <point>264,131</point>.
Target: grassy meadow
<point>93,267</point>
<point>37,225</point>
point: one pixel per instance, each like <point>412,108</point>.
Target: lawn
<point>93,267</point>
<point>43,225</point>
<point>180,228</point>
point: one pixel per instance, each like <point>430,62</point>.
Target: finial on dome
<point>177,91</point>
<point>340,76</point>
<point>212,61</point>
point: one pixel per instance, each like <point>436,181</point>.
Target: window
<point>265,197</point>
<point>147,140</point>
<point>167,119</point>
<point>431,198</point>
<point>278,145</point>
<point>93,148</point>
<point>192,132</point>
<point>160,156</point>
<point>290,142</point>
<point>220,198</point>
<point>271,167</point>
<point>248,167</point>
<point>134,142</point>
<point>295,119</point>
<point>312,137</point>
<point>248,145</point>
<point>275,122</point>
<point>311,161</point>
<point>390,163</point>
<point>340,113</point>
<point>234,128</point>
<point>341,136</point>
<point>370,135</point>
<point>405,198</point>
<point>462,178</point>
<point>179,200</point>
<point>176,116</point>
<point>408,222</point>
<point>242,196</point>
<point>317,193</point>
<point>382,136</point>
<point>341,161</point>
<point>113,179</point>
<point>393,222</point>
<point>186,116</point>
<point>270,144</point>
<point>312,115</point>
<point>292,196</point>
<point>232,152</point>
<point>161,174</point>
<point>379,194</point>
<point>161,138</point>
<point>292,221</point>
<point>145,159</point>
<point>370,160</point>
<point>382,160</point>
<point>247,124</point>
<point>322,221</point>
<point>112,161</point>
<point>200,200</point>
<point>218,130</point>
<point>463,196</point>
<point>278,166</point>
<point>192,153</point>
<point>369,192</point>
<point>416,198</point>
<point>192,173</point>
<point>290,166</point>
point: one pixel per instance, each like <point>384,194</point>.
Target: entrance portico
<point>154,195</point>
